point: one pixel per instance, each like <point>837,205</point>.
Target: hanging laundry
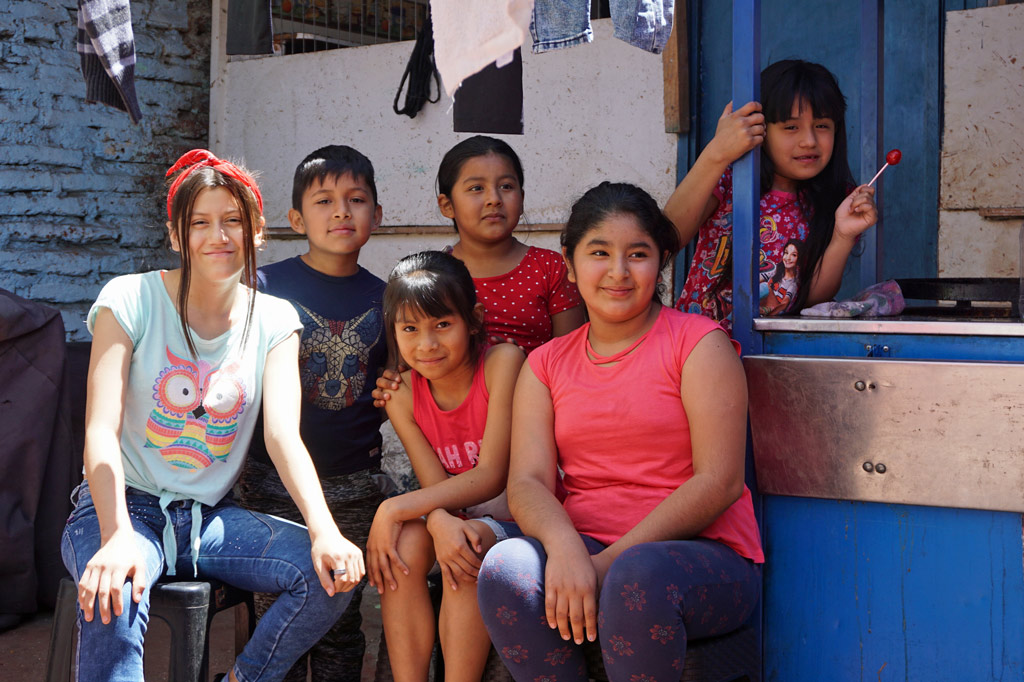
<point>646,24</point>
<point>419,73</point>
<point>250,27</point>
<point>491,101</point>
<point>106,45</point>
<point>470,34</point>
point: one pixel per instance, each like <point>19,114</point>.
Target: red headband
<point>199,158</point>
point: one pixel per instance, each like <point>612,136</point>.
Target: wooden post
<point>675,64</point>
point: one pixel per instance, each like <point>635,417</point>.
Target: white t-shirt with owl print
<point>187,423</point>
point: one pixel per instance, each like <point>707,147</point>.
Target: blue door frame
<point>859,590</point>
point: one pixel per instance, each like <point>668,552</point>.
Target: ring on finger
<point>339,573</point>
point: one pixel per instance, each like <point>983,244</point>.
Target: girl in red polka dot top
<point>525,290</point>
<point>526,295</point>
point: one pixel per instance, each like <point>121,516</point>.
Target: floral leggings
<point>654,597</point>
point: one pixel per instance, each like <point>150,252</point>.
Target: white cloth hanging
<point>470,34</point>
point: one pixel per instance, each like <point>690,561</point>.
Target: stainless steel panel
<point>943,327</point>
<point>948,434</point>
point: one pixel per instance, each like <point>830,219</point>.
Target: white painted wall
<point>592,113</point>
<point>983,141</point>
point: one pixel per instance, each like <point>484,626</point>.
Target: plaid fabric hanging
<point>107,49</point>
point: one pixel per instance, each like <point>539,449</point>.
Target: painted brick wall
<point>81,188</point>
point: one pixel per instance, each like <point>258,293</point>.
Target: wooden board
<point>982,145</point>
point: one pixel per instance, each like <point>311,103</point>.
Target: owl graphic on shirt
<point>196,415</point>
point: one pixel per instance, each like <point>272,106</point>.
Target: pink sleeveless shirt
<point>454,434</point>
<point>622,433</point>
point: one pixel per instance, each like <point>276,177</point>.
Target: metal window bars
<point>314,25</point>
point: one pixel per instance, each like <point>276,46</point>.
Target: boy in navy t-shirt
<point>334,204</point>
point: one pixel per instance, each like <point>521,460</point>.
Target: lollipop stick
<point>877,174</point>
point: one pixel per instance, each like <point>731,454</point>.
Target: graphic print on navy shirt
<point>333,356</point>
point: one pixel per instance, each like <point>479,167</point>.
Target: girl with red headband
<point>180,360</point>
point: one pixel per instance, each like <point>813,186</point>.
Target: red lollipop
<point>891,159</point>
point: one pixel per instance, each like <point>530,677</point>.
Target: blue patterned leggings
<point>654,597</point>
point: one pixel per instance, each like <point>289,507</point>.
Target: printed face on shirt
<point>616,267</point>
<point>435,347</point>
<point>799,147</point>
<point>216,236</point>
<point>789,257</point>
<point>337,217</point>
<point>486,199</point>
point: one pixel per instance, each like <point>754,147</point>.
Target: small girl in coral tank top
<point>453,412</point>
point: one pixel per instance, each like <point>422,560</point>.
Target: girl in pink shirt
<point>644,410</point>
<point>453,413</point>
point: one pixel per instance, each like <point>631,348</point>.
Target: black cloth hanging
<point>491,100</point>
<point>250,30</point>
<point>418,72</point>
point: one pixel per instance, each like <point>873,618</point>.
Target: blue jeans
<point>248,550</point>
<point>646,24</point>
<point>655,597</point>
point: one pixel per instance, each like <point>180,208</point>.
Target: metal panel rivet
<point>885,349</point>
<point>869,467</point>
<point>860,386</point>
<point>880,468</point>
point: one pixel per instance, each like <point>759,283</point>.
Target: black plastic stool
<point>188,609</point>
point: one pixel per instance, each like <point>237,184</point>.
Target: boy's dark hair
<point>437,284</point>
<point>620,198</point>
<point>470,148</point>
<point>333,161</point>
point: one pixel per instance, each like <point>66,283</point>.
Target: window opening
<point>313,25</point>
<point>302,26</point>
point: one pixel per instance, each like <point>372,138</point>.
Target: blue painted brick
<point>166,13</point>
<point>37,29</point>
<point>62,73</point>
<point>32,9</point>
<point>20,180</point>
<point>81,192</point>
<point>14,154</point>
<point>123,184</point>
<point>53,231</point>
<point>74,322</point>
<point>60,289</point>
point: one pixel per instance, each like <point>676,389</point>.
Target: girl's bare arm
<point>855,214</point>
<point>570,579</point>
<point>693,201</point>
<point>118,557</point>
<point>281,405</point>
